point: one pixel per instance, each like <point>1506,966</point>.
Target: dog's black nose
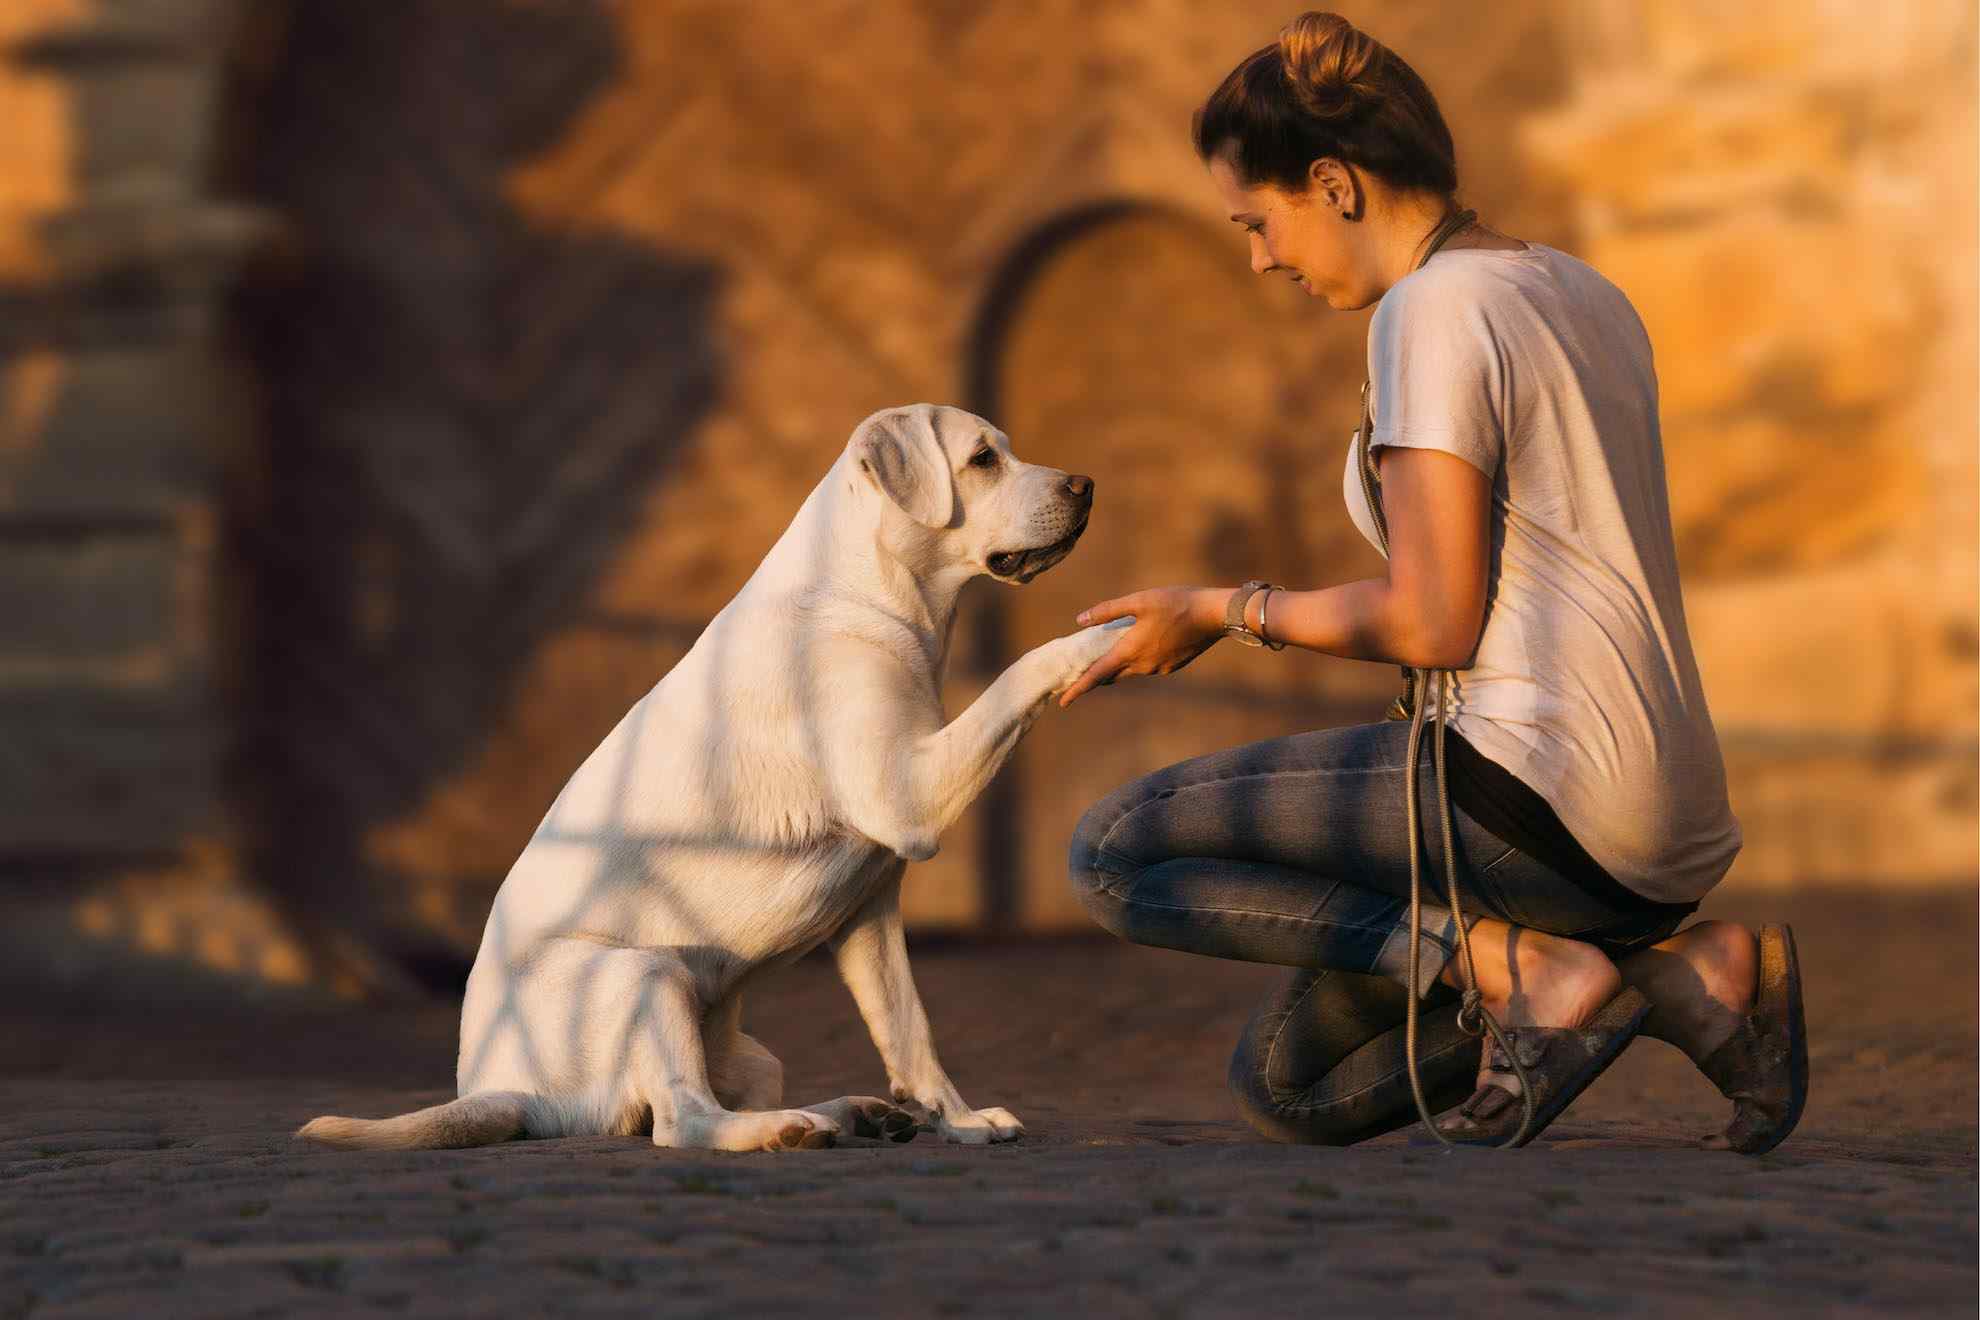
<point>1080,488</point>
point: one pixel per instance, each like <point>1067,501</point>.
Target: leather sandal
<point>1763,1066</point>
<point>1560,1062</point>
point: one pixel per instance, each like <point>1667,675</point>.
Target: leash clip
<point>1471,1016</point>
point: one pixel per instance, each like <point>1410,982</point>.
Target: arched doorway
<point>1212,411</point>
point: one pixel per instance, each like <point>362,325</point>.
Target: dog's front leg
<point>902,786</point>
<point>872,952</point>
<point>955,765</point>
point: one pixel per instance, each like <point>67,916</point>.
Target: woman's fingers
<point>1108,610</point>
<point>1159,637</point>
<point>1103,670</point>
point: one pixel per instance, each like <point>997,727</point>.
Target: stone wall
<point>888,229</point>
<point>1786,191</point>
<point>581,299</point>
<point>122,431</point>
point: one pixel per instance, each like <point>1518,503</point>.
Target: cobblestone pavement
<point>146,1167</point>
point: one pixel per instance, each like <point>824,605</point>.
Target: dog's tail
<point>480,1119</point>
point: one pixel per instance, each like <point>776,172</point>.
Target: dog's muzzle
<point>1021,566</point>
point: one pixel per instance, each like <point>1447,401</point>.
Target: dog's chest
<point>822,897</point>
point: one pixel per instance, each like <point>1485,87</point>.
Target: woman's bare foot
<point>1531,979</point>
<point>1700,983</point>
<point>1731,1001</point>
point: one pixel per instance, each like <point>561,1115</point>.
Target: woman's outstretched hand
<point>1172,626</point>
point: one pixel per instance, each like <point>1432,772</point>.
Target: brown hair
<point>1326,88</point>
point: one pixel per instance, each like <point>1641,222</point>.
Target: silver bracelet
<point>1234,624</point>
<point>1265,599</point>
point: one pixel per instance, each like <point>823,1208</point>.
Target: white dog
<point>762,799</point>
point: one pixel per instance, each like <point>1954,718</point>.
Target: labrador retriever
<point>760,800</point>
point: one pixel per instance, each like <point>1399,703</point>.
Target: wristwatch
<point>1234,615</point>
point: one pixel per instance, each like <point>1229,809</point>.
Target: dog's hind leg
<point>668,1067</point>
<point>741,1072</point>
<point>868,1116</point>
<point>745,1076</point>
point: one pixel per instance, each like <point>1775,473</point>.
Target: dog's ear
<point>901,454</point>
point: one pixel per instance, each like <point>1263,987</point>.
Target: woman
<point>1516,456</point>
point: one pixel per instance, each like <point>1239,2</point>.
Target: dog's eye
<point>985,457</point>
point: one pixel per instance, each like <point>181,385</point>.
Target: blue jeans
<point>1295,851</point>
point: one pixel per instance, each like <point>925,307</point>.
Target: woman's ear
<point>898,450</point>
<point>1337,186</point>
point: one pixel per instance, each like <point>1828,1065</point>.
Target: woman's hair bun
<point>1330,65</point>
<point>1326,88</point>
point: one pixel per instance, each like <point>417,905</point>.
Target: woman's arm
<point>1429,609</point>
<point>1426,612</point>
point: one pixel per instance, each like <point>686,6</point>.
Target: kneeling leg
<point>1322,1062</point>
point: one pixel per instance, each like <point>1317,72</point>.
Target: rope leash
<point>1474,1019</point>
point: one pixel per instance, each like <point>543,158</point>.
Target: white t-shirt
<point>1536,370</point>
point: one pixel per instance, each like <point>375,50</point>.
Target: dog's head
<point>953,475</point>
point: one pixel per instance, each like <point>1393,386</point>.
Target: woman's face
<point>1292,234</point>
